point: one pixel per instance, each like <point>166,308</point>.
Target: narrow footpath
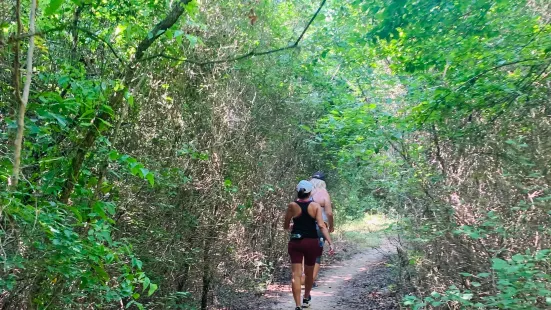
<point>360,282</point>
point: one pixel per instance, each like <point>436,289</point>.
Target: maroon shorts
<point>307,248</point>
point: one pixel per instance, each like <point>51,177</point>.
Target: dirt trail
<point>336,283</point>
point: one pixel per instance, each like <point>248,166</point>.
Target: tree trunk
<point>207,277</point>
<point>24,99</point>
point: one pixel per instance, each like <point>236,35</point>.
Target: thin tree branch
<point>471,81</point>
<point>247,55</point>
<point>250,54</point>
<point>12,181</point>
<point>19,37</point>
<point>76,19</point>
<point>476,77</point>
<point>161,27</point>
<point>36,33</point>
<point>92,35</point>
<point>24,100</point>
<point>17,56</point>
<point>309,23</point>
<point>97,38</point>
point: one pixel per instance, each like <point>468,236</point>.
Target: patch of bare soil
<point>374,289</point>
<point>360,282</point>
<point>355,279</point>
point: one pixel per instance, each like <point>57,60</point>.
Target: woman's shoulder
<point>321,192</point>
<point>292,204</point>
<point>314,204</point>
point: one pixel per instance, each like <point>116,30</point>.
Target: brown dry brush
<point>213,224</point>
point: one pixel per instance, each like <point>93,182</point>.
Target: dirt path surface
<point>356,283</point>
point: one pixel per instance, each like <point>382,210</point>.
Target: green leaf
<point>114,155</point>
<point>106,235</point>
<point>146,283</point>
<point>107,108</point>
<point>151,178</point>
<point>203,156</point>
<point>101,272</point>
<point>105,122</point>
<point>138,264</point>
<point>518,258</point>
<point>110,207</point>
<point>193,40</point>
<point>135,168</point>
<point>152,289</point>
<point>134,303</point>
<point>53,7</point>
<point>499,264</point>
<point>77,213</point>
<point>144,172</point>
<point>306,128</point>
<point>97,208</point>
<point>192,8</point>
<point>60,120</point>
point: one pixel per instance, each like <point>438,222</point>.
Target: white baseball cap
<point>306,186</point>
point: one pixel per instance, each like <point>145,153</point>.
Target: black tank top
<point>304,224</point>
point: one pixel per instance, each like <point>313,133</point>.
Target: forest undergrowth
<point>148,148</point>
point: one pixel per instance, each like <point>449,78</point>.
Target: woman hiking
<point>321,196</point>
<point>304,243</point>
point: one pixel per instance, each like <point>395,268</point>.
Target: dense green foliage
<point>447,128</point>
<point>162,141</point>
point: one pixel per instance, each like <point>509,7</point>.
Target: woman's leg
<point>308,280</point>
<point>295,285</point>
<point>316,271</point>
<point>318,262</point>
<point>297,256</point>
<point>302,277</point>
<point>312,251</point>
<point>318,259</point>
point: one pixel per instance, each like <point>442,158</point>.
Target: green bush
<point>522,282</point>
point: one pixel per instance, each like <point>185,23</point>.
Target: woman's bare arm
<point>289,216</point>
<point>321,224</point>
<point>322,196</point>
<point>329,213</point>
<point>324,230</point>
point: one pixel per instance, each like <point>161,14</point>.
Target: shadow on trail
<point>361,282</point>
